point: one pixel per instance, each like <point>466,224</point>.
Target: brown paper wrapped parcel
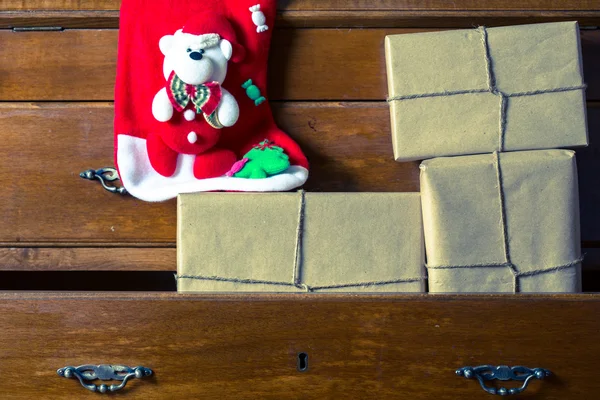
<point>481,90</point>
<point>502,222</point>
<point>298,242</point>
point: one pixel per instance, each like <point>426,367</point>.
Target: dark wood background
<point>327,85</point>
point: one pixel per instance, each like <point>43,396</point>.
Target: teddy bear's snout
<point>196,55</point>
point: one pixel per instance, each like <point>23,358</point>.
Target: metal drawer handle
<point>107,174</point>
<point>503,373</point>
<point>105,373</point>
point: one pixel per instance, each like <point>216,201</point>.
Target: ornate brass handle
<point>485,373</point>
<point>86,373</point>
<point>104,175</point>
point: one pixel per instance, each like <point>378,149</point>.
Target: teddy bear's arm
<point>228,110</point>
<point>162,109</point>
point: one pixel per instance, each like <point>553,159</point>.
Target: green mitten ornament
<point>264,160</point>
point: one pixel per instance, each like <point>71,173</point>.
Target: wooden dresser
<point>87,276</point>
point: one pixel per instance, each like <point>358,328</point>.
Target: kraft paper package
<point>502,222</point>
<point>299,242</point>
<point>481,90</point>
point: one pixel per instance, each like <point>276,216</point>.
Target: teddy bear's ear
<point>165,43</point>
<point>232,51</point>
<point>226,48</point>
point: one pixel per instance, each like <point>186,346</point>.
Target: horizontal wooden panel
<point>69,65</point>
<point>45,201</point>
<point>87,259</point>
<point>246,347</point>
<point>306,64</point>
<point>132,259</point>
<point>327,13</point>
<point>348,145</point>
<point>30,5</point>
<point>59,19</point>
<point>366,18</point>
<point>345,5</point>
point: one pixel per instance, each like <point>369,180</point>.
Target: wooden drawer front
<point>348,145</point>
<point>328,13</point>
<point>246,347</point>
<point>335,110</point>
<point>80,64</point>
<point>345,5</point>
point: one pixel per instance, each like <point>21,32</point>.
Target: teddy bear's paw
<point>228,111</point>
<point>162,110</point>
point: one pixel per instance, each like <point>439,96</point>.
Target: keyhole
<point>302,362</point>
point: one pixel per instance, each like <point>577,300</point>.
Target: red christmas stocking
<point>191,112</point>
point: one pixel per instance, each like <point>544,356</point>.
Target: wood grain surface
<point>348,146</point>
<point>87,259</point>
<point>80,65</point>
<point>369,18</point>
<point>55,221</point>
<point>127,259</point>
<point>246,347</point>
<point>338,5</point>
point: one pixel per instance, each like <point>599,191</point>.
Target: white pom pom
<point>192,137</point>
<point>189,115</point>
<point>261,28</point>
<point>255,8</point>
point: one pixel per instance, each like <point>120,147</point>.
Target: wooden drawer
<point>246,347</point>
<point>354,71</point>
<point>56,120</point>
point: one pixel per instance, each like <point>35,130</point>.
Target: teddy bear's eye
<point>189,50</point>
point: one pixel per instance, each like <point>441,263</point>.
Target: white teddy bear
<point>195,66</point>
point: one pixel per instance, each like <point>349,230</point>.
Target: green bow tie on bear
<point>264,160</point>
